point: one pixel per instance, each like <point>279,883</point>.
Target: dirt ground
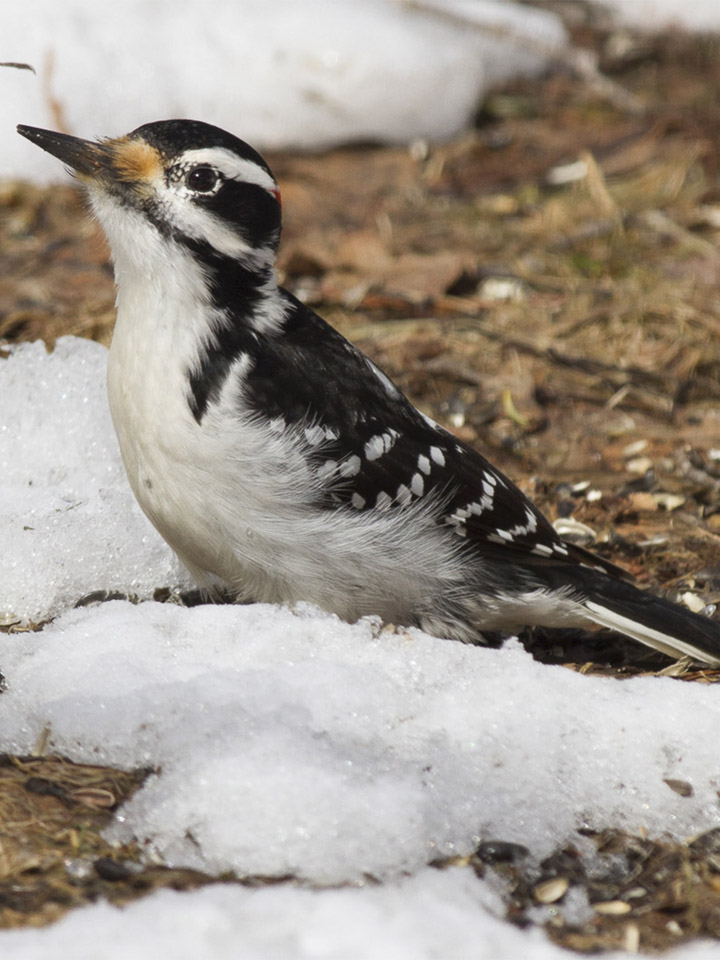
<point>546,286</point>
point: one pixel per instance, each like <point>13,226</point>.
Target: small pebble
<point>681,787</point>
<point>567,173</point>
<point>574,531</point>
<point>501,851</point>
<point>639,465</point>
<point>612,908</point>
<point>633,449</point>
<point>668,501</point>
<point>502,288</point>
<point>692,601</point>
<point>550,891</point>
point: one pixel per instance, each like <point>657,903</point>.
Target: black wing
<point>375,451</point>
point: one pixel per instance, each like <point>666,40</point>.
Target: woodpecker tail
<point>650,619</point>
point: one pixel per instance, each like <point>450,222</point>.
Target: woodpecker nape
<point>275,457</point>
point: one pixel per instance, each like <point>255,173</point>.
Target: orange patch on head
<point>135,161</point>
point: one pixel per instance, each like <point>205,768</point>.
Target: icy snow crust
<point>69,524</point>
<point>286,742</point>
<point>292,743</point>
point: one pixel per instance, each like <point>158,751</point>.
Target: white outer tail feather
<point>666,643</point>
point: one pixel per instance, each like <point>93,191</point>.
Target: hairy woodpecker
<point>272,454</point>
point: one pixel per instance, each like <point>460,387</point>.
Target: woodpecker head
<point>191,182</point>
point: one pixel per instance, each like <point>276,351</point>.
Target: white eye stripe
<point>202,225</point>
<point>199,224</point>
<point>230,166</point>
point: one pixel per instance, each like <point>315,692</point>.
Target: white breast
<point>162,309</point>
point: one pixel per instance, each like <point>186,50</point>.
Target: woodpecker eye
<point>202,179</point>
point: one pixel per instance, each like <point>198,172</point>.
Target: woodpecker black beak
<point>128,165</point>
<point>86,158</point>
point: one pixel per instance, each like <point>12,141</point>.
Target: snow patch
<point>280,75</point>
